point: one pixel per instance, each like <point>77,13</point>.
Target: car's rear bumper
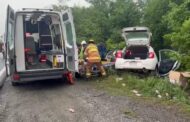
<point>148,64</point>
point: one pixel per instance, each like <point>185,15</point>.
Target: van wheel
<point>15,83</point>
<point>77,75</point>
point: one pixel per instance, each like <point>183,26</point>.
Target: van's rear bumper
<point>39,75</point>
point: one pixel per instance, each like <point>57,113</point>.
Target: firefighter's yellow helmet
<point>91,40</point>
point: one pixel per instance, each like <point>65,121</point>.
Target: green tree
<point>125,13</point>
<point>154,10</point>
<point>104,19</point>
<point>178,20</point>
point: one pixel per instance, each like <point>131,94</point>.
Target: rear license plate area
<point>133,63</point>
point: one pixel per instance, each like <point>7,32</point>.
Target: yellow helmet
<point>91,40</point>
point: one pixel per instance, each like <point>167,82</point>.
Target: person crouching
<point>92,56</point>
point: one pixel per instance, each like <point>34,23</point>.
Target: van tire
<point>77,75</point>
<point>15,83</point>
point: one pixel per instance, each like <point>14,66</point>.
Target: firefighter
<point>102,50</point>
<point>93,58</point>
<point>83,46</point>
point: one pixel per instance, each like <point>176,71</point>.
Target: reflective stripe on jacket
<point>92,53</point>
<point>81,55</point>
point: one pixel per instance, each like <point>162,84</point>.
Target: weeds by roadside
<point>151,87</point>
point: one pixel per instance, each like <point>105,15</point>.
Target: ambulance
<point>40,45</point>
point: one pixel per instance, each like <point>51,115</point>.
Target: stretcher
<point>94,71</point>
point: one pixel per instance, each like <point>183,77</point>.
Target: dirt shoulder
<point>49,101</point>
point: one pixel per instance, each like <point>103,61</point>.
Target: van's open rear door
<point>9,40</point>
<point>70,40</point>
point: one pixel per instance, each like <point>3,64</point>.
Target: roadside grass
<point>148,88</point>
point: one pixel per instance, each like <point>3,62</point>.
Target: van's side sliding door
<point>70,40</point>
<point>9,40</point>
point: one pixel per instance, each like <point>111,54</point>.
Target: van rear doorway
<point>42,46</point>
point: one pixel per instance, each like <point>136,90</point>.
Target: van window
<point>10,35</point>
<point>31,27</point>
<point>69,33</point>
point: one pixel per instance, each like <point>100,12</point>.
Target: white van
<point>138,53</point>
<point>40,45</point>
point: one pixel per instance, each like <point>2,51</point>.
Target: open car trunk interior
<point>136,52</point>
<point>43,46</point>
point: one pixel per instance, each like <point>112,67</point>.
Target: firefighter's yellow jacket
<point>92,54</point>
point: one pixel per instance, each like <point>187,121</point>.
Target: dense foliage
<point>178,21</point>
<point>104,20</point>
<point>168,20</point>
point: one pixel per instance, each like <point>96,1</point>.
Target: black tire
<point>15,83</point>
<point>77,75</point>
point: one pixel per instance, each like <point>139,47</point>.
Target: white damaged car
<point>138,54</point>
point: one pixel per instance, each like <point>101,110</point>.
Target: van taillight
<point>119,54</point>
<point>16,77</point>
<point>151,55</point>
<point>43,58</point>
<point>27,50</point>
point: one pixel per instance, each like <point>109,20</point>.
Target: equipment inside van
<point>40,44</point>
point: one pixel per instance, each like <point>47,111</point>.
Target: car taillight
<point>16,77</point>
<point>151,55</point>
<point>119,54</point>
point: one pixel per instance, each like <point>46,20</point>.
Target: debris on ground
<point>119,79</point>
<point>159,96</point>
<point>167,95</point>
<point>136,93</point>
<point>71,110</point>
<point>179,78</point>
<point>139,95</point>
<point>157,92</point>
<point>123,84</point>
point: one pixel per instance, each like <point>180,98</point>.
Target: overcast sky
<point>19,4</point>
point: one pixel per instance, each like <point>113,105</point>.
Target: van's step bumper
<point>39,75</point>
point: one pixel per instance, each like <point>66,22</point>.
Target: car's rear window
<point>136,35</point>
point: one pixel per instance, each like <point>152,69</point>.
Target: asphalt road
<point>50,101</point>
